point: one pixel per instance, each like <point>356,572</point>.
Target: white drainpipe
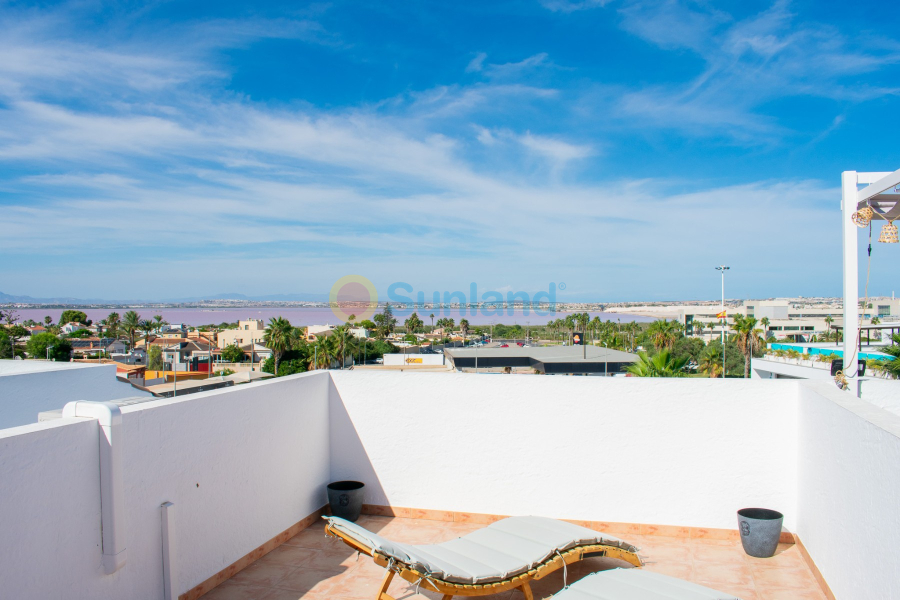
<point>112,500</point>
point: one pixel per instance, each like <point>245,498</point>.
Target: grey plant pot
<point>760,531</point>
<point>346,499</point>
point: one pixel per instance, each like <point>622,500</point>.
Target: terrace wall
<point>686,452</point>
<point>241,465</point>
<point>849,491</point>
<point>244,464</point>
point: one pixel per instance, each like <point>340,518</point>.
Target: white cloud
<point>477,63</point>
<point>567,6</point>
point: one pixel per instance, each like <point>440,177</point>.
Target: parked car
<point>379,361</point>
<point>504,345</point>
<point>520,344</point>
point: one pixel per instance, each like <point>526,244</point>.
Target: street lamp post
<point>49,348</point>
<point>722,269</point>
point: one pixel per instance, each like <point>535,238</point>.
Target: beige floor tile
<point>769,579</point>
<point>235,591</point>
<point>791,594</point>
<point>334,559</point>
<point>289,555</point>
<point>314,537</point>
<point>717,554</point>
<point>657,553</point>
<point>737,573</point>
<point>310,581</point>
<point>262,573</point>
<point>311,566</point>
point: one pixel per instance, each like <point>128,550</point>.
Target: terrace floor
<point>312,566</point>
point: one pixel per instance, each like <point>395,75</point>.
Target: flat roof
<point>547,354</point>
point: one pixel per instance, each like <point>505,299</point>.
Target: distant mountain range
<point>8,298</point>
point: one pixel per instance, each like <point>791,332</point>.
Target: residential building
<point>188,356</point>
<point>248,331</point>
<point>314,332</point>
<point>94,345</point>
<point>71,327</point>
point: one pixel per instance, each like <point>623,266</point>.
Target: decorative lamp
<point>888,233</point>
<point>862,217</point>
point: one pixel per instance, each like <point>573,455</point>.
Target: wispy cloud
<point>749,62</point>
<point>134,157</point>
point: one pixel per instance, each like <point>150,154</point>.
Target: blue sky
<point>625,148</point>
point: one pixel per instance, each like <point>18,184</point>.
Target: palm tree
<point>664,333</point>
<point>464,326</point>
<point>158,323</point>
<point>663,364</point>
<point>323,354</point>
<point>711,361</point>
<point>748,339</point>
<point>449,324</point>
<point>412,323</point>
<point>131,324</point>
<point>277,338</point>
<point>147,328</point>
<point>765,326</point>
<point>112,322</point>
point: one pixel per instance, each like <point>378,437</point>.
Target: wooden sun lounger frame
<point>521,581</point>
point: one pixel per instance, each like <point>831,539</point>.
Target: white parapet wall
<point>687,452</point>
<point>849,491</point>
<point>28,387</point>
<point>239,466</point>
<point>243,464</point>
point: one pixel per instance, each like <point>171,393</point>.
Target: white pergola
<point>879,195</point>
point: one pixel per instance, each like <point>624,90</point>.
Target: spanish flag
<point>722,315</point>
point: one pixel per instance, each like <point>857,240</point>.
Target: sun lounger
<point>503,556</point>
<point>637,584</point>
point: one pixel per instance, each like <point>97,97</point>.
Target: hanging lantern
<point>862,217</point>
<point>888,233</point>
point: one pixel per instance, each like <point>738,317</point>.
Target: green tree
<point>323,353</point>
<point>368,325</point>
<point>232,353</point>
<point>293,361</point>
<point>80,333</point>
<point>131,324</point>
<point>662,364</point>
<point>688,348</point>
<point>277,338</point>
<point>73,316</point>
<point>48,320</point>
<point>37,345</point>
<point>112,322</point>
<point>344,343</point>
<point>748,339</point>
<point>663,333</point>
<point>464,327</point>
<point>155,359</point>
<point>413,323</point>
<point>158,323</point>
<point>711,360</point>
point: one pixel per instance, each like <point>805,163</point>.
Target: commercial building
<point>549,360</point>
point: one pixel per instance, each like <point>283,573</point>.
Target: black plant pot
<point>760,531</point>
<point>346,499</point>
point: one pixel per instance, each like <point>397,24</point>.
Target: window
<point>884,310</point>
